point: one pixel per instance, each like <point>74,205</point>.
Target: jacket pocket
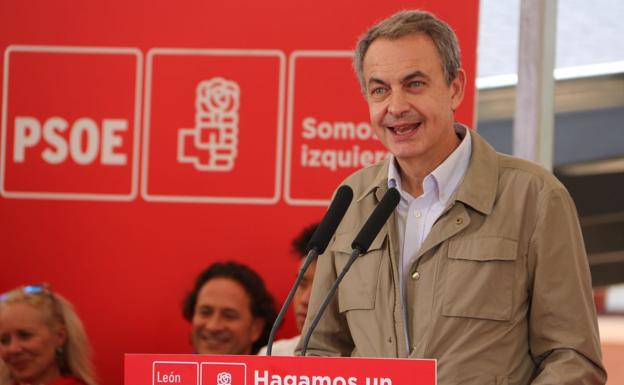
<point>358,288</point>
<point>480,278</point>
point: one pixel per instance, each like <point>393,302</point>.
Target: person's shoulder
<point>512,170</point>
<point>362,179</point>
<point>523,171</point>
<point>283,347</point>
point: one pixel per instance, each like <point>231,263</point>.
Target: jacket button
<point>416,276</point>
<point>459,221</point>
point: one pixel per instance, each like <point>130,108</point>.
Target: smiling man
<point>482,265</point>
<point>230,310</point>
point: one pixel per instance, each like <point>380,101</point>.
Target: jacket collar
<point>478,189</point>
<point>379,185</point>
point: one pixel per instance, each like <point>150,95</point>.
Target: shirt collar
<point>445,179</point>
<point>478,188</point>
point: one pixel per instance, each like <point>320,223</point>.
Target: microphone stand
<point>330,295</point>
<point>312,254</point>
<point>360,245</point>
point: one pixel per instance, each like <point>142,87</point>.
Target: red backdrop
<point>96,198</point>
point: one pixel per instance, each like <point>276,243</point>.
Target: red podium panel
<point>195,369</point>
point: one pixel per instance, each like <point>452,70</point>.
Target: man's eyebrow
<point>415,74</point>
<point>406,78</point>
<point>376,81</point>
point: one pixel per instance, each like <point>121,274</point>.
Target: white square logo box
<point>215,136</point>
<point>12,84</point>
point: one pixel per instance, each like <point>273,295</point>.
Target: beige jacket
<point>502,293</point>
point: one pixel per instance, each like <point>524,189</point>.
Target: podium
<point>196,369</point>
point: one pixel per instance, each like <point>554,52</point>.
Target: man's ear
<point>457,88</point>
<point>257,326</point>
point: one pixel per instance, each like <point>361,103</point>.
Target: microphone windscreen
<point>336,211</point>
<point>376,221</point>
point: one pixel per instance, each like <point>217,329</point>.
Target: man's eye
<point>5,340</point>
<point>378,91</point>
<point>24,334</point>
<point>205,311</point>
<point>230,315</point>
<point>415,84</point>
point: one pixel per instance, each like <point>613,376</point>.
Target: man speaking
<point>482,265</point>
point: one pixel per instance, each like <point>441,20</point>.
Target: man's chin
<point>207,348</point>
<point>212,351</point>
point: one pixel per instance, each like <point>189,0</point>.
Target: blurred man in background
<point>230,310</point>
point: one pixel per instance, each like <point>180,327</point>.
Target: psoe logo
<point>87,141</point>
<point>212,145</point>
<point>70,120</point>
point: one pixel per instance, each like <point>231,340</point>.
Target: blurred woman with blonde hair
<point>42,340</point>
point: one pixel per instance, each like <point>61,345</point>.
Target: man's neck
<point>414,170</point>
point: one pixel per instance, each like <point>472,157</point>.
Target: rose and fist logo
<point>212,144</point>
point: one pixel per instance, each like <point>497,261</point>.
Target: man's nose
<point>398,104</point>
<point>214,323</point>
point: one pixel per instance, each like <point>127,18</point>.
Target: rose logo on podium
<point>215,134</point>
<point>224,378</point>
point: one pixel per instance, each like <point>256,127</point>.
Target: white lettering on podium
<point>170,378</point>
<point>264,378</point>
<point>318,380</point>
<point>378,381</point>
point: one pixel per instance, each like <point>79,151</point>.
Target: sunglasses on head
<point>40,288</point>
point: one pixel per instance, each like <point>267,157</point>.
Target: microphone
<point>317,245</point>
<point>331,220</point>
<point>360,245</point>
<point>375,222</point>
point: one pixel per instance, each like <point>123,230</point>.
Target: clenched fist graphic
<point>212,144</point>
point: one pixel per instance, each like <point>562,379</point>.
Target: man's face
<point>411,105</point>
<point>302,296</point>
<point>222,322</point>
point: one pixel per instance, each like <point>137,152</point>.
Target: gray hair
<point>405,23</point>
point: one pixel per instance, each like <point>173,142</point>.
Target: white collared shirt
<point>415,216</point>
